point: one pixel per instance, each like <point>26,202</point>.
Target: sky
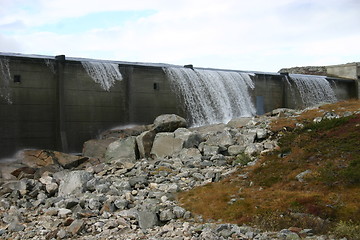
<point>258,35</point>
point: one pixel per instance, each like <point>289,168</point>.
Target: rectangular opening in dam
<point>17,78</point>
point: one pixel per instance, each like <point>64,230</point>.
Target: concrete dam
<point>59,102</point>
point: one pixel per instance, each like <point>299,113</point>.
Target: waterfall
<point>103,73</point>
<point>212,96</point>
<point>50,64</point>
<point>313,89</point>
<point>5,79</point>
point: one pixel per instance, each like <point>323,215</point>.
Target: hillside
<point>311,181</point>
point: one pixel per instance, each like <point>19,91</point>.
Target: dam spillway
<point>212,96</point>
<point>59,102</point>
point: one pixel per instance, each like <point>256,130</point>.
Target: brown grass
<point>272,198</point>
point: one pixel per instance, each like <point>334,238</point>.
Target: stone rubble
<point>127,189</point>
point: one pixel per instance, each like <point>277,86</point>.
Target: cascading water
<point>5,78</point>
<point>313,89</point>
<point>212,96</point>
<point>103,73</point>
<point>50,64</point>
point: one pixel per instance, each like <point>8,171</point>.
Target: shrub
<point>349,229</point>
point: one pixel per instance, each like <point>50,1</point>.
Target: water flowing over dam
<point>213,96</point>
<point>103,73</point>
<point>313,89</point>
<point>5,91</point>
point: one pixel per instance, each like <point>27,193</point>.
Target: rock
<point>15,227</point>
<point>138,180</point>
<point>283,112</point>
<point>235,150</point>
<point>74,182</point>
<point>122,149</point>
<point>330,115</point>
<point>187,154</point>
<point>238,122</point>
<point>96,148</point>
<point>166,215</point>
<point>124,131</point>
<point>147,219</point>
<point>261,133</point>
<point>94,204</point>
<point>252,150</point>
<point>179,211</point>
<point>51,188</point>
<point>121,204</point>
<point>64,212</point>
<point>166,145</point>
<point>41,158</point>
<point>76,226</point>
<point>300,176</point>
<point>222,139</point>
<point>209,150</point>
<point>246,138</point>
<point>145,142</point>
<point>168,123</point>
<point>190,139</point>
<point>22,172</point>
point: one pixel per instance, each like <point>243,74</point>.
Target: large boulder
<point>122,149</point>
<point>166,145</point>
<point>96,148</point>
<point>238,122</point>
<point>169,123</point>
<point>125,131</point>
<point>221,139</point>
<point>41,158</point>
<point>145,142</point>
<point>191,139</point>
<point>74,182</point>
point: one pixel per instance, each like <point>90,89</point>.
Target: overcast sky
<point>262,35</point>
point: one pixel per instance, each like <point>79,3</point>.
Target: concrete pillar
<point>61,136</point>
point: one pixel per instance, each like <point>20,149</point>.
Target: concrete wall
<point>150,94</point>
<point>349,70</point>
<point>62,109</point>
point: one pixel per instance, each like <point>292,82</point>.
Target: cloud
<point>255,35</point>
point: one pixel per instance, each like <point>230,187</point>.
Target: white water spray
<point>313,89</point>
<point>5,79</point>
<point>50,63</point>
<point>103,73</point>
<point>212,96</point>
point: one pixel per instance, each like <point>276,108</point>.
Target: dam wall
<point>52,103</point>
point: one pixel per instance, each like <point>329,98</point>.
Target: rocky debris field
<point>124,185</point>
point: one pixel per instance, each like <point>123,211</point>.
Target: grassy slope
<point>272,198</point>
